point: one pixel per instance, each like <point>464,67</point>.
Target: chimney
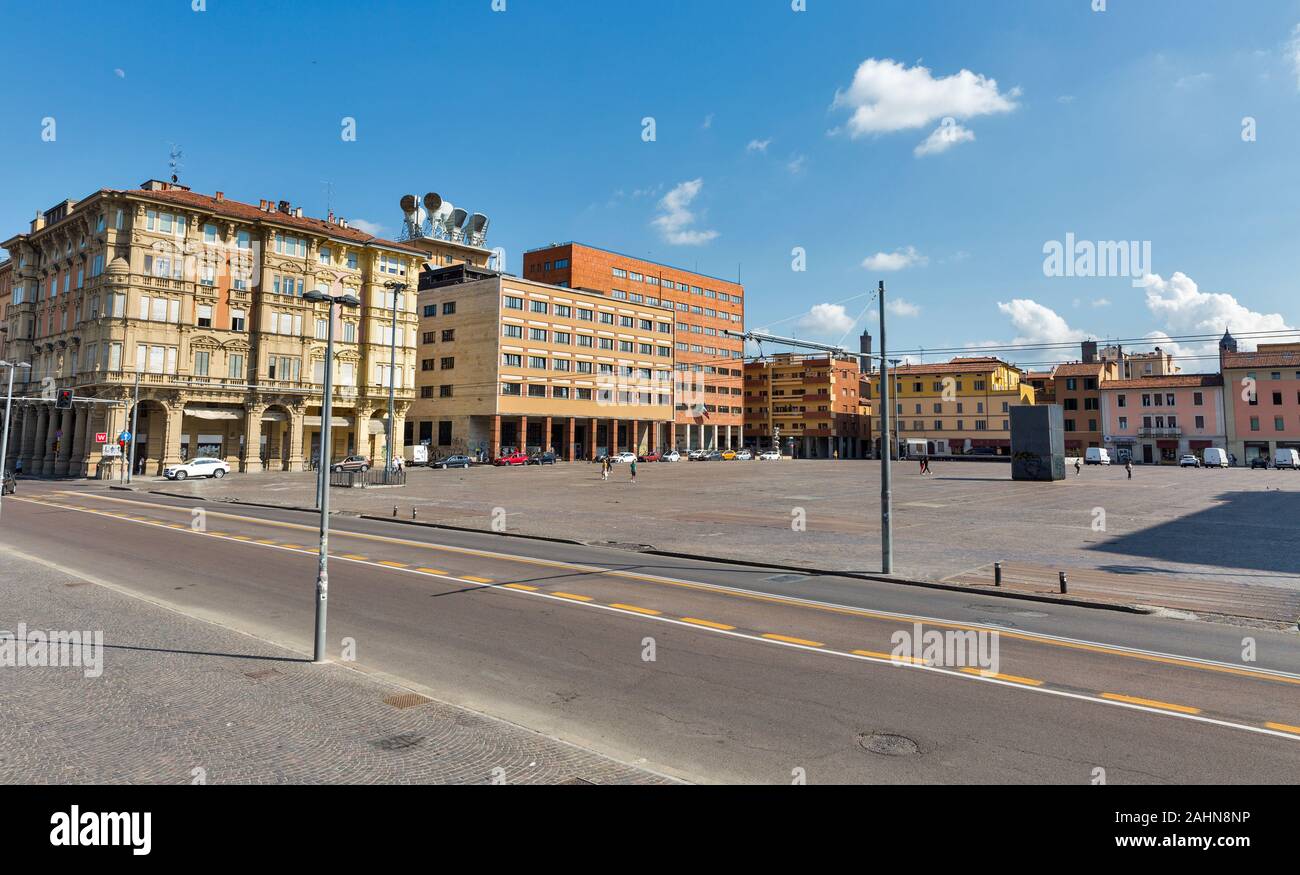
<point>283,206</point>
<point>330,217</point>
<point>1089,352</point>
<point>221,196</point>
<point>39,222</point>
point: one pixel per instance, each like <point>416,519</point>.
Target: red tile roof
<point>249,213</point>
<point>973,365</point>
<point>1171,381</point>
<point>1080,369</point>
<point>1283,359</point>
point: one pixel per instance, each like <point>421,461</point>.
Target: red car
<point>515,458</point>
<point>652,456</point>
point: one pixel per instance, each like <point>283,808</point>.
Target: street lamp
<point>396,288</point>
<point>323,483</point>
<point>9,400</point>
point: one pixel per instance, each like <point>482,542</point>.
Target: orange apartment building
<point>708,367</point>
<point>812,404</point>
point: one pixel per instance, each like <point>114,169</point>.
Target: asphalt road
<point>706,671</point>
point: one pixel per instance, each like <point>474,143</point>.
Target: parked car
<point>728,455</point>
<point>1259,462</point>
<point>744,455</point>
<point>711,456</point>
<point>623,457</point>
<point>351,463</point>
<point>1287,459</point>
<point>547,458</point>
<point>456,461</point>
<point>1189,461</point>
<point>770,456</point>
<point>671,456</point>
<point>652,456</point>
<point>518,457</point>
<point>1096,456</point>
<point>204,467</point>
<point>696,455</point>
<point>1215,457</point>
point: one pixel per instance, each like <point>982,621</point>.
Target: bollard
<point>997,573</point>
<point>1064,583</point>
<point>394,510</point>
<point>412,513</point>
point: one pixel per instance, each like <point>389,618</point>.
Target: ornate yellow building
<point>198,299</point>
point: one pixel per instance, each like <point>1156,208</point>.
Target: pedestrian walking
<point>18,467</point>
<point>604,468</point>
<point>1128,466</point>
<point>1078,467</point>
<point>632,465</point>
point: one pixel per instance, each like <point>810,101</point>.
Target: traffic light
<point>64,400</point>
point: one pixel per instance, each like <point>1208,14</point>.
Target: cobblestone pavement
<point>184,701</point>
<point>1234,525</point>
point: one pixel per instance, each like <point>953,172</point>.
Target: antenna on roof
<point>174,161</point>
<point>329,196</point>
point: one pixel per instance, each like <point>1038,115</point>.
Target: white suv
<point>204,467</point>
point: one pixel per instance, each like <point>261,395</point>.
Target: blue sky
<point>1122,125</point>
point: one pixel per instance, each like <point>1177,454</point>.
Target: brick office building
<point>709,367</point>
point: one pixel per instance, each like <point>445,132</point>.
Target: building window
<point>448,308</point>
<point>448,334</point>
<point>237,320</point>
<point>536,390</point>
<point>512,389</point>
<point>444,391</point>
<point>204,318</point>
<point>201,363</point>
<point>448,362</point>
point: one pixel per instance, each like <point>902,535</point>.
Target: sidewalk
<point>182,701</point>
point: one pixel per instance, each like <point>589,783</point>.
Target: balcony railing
<point>1168,432</point>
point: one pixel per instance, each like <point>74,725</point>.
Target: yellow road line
<point>569,595</point>
<point>1283,727</point>
<point>724,591</point>
<point>356,556</point>
<point>1032,682</point>
<point>1151,703</point>
<point>389,563</point>
<point>525,587</point>
<point>432,571</point>
<point>265,541</point>
<point>708,624</point>
<point>788,640</point>
<point>477,579</point>
<point>649,612</point>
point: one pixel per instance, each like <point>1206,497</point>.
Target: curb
<point>669,554</point>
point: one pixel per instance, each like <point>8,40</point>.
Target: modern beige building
<point>813,403</point>
<point>509,363</point>
<point>199,300</point>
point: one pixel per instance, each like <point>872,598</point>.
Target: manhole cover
<point>888,744</point>
<point>401,741</point>
<point>406,700</point>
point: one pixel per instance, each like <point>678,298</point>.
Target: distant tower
<point>864,347</point>
<point>1227,343</point>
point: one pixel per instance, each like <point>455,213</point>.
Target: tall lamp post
<point>397,289</point>
<point>886,478</point>
<point>9,400</point>
<point>323,469</point>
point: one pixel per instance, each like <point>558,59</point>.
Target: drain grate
<point>406,700</point>
<point>888,744</point>
<point>261,674</point>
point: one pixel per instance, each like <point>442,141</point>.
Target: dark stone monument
<point>1037,442</point>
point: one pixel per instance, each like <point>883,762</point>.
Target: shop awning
<point>213,413</point>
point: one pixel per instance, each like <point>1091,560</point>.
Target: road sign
<point>110,451</point>
<point>101,437</point>
<point>124,436</point>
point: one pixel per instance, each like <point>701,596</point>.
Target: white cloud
<point>943,138</point>
<point>373,228</point>
<point>1293,54</point>
<point>1101,302</point>
<point>885,96</point>
<point>119,72</point>
<point>758,145</point>
<point>1193,80</point>
<point>1182,308</point>
<point>826,319</point>
<point>900,307</point>
<point>708,122</point>
<point>1065,98</point>
<point>674,223</point>
<point>796,164</point>
<point>1035,323</point>
<point>896,260</point>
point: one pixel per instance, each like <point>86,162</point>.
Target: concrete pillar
<point>571,454</point>
<point>174,418</point>
<point>591,439</point>
<point>77,458</point>
<point>523,434</point>
<point>612,438</point>
<point>546,436</point>
<point>31,413</point>
<point>494,449</point>
<point>634,436</point>
<point>361,434</point>
<point>296,427</point>
<point>252,461</point>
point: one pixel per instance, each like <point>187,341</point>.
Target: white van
<point>1214,457</point>
<point>1286,459</point>
<point>1096,456</point>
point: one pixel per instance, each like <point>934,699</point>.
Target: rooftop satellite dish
<point>476,229</point>
<point>454,222</point>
